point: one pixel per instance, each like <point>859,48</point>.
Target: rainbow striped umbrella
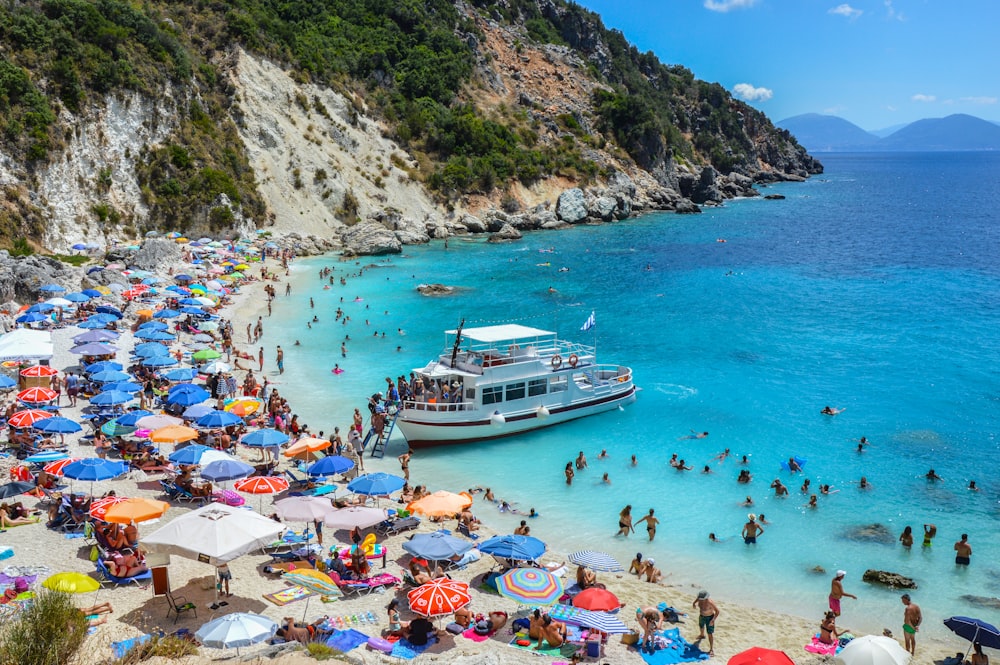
<point>530,586</point>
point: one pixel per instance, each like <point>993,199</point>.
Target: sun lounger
<point>394,527</point>
<point>365,586</point>
<point>107,578</point>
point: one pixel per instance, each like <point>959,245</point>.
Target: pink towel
<point>821,647</point>
<point>476,637</point>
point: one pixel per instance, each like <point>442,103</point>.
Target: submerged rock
<point>885,578</point>
<point>990,602</point>
<point>435,289</point>
<point>775,197</point>
<point>870,533</point>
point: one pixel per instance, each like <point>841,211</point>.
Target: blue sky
<point>877,63</point>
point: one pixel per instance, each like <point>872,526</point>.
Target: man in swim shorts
<point>963,551</point>
<point>837,592</point>
<point>751,530</point>
<point>911,623</point>
<point>708,612</point>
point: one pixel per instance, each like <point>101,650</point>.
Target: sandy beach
<point>137,611</point>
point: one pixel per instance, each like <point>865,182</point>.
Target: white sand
<point>137,611</point>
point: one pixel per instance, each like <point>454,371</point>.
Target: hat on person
<point>702,595</point>
<point>651,561</point>
<point>841,573</point>
<point>752,517</point>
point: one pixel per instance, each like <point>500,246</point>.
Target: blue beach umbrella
<point>187,396</point>
<point>94,469</point>
<point>330,466</point>
<point>156,335</point>
<point>31,317</point>
<point>222,470</point>
<point>52,288</point>
<point>176,289</point>
<point>218,419</point>
<point>124,386</point>
<point>103,317</point>
<point>76,296</point>
<point>96,335</point>
<point>166,314</point>
<point>41,307</point>
<point>183,278</point>
<point>110,376</point>
<point>130,418</point>
<point>264,438</point>
<point>91,293</point>
<point>189,301</point>
<point>437,546</point>
<point>91,325</point>
<point>46,457</point>
<point>150,350</point>
<point>159,361</point>
<point>78,246</point>
<point>109,310</point>
<point>58,425</point>
<point>149,281</point>
<point>376,484</point>
<point>154,325</point>
<point>517,548</point>
<point>94,349</point>
<point>190,309</point>
<point>180,374</point>
<point>6,382</point>
<point>196,411</point>
<point>111,398</point>
<point>189,454</point>
<point>975,630</point>
<point>103,366</point>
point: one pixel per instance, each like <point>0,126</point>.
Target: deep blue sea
<point>874,288</point>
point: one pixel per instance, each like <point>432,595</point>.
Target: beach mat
<point>403,648</point>
<point>566,650</point>
<point>471,634</point>
<point>289,595</point>
<point>678,650</point>
<point>345,640</point>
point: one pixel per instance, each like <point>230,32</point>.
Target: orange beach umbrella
<point>308,444</point>
<point>129,511</point>
<point>441,504</point>
<point>439,597</point>
<point>173,434</point>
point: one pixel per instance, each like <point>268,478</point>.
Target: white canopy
<point>502,333</point>
<point>24,344</point>
<point>215,534</point>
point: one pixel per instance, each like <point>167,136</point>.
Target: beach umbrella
<point>758,655</point>
<point>103,317</point>
<point>96,336</point>
<point>156,421</point>
<point>215,534</point>
<point>40,308</point>
<point>216,418</point>
<point>192,454</point>
<point>47,456</point>
<point>166,314</point>
<point>150,350</point>
<point>205,354</point>
<point>94,469</point>
<point>94,349</point>
<point>975,630</point>
<point>115,428</point>
<point>439,597</point>
<point>192,310</point>
<point>31,317</point>
<point>330,466</point>
<point>110,376</point>
<point>129,511</point>
<point>598,561</point>
<point>516,548</point>
<point>302,508</point>
<point>92,293</point>
<point>155,336</point>
<point>111,398</point>
<point>208,325</point>
<point>79,246</point>
<point>197,411</point>
<point>312,580</point>
<point>306,444</point>
<point>58,425</point>
<point>92,325</point>
<point>6,382</point>
<point>215,367</point>
<point>39,371</point>
<point>597,600</point>
<point>108,309</point>
<point>873,650</point>
<point>441,504</point>
<point>159,361</point>
<point>56,468</point>
<point>172,434</point>
<point>223,470</point>
<point>154,325</point>
<point>131,418</point>
<point>103,366</point>
<point>180,374</point>
<point>99,506</point>
<point>201,337</point>
<point>376,484</point>
<point>262,485</point>
<point>123,386</point>
<point>52,288</point>
<point>360,517</point>
<point>243,407</point>
<point>186,394</point>
<point>239,629</point>
<point>437,546</point>
<point>530,586</point>
<point>264,438</point>
<point>37,395</point>
<point>71,583</point>
<point>15,488</point>
<point>59,302</point>
<point>604,621</point>
<point>153,279</point>
<point>27,418</point>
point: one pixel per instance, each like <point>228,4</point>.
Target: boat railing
<point>475,360</point>
<point>414,405</point>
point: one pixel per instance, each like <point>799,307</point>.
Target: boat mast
<point>458,342</point>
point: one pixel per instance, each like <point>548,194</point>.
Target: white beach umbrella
<point>215,534</point>
<point>873,650</point>
<point>239,629</point>
<point>60,302</point>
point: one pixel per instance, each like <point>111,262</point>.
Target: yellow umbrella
<point>72,583</point>
<point>441,504</point>
<point>243,407</point>
<point>102,289</point>
<point>243,266</point>
<point>307,444</point>
<point>173,434</point>
<point>134,510</point>
<point>182,239</point>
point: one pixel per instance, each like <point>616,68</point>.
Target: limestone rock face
<point>370,238</point>
<point>21,277</point>
<point>507,232</point>
<point>885,578</point>
<point>473,224</point>
<point>686,206</point>
<point>571,207</point>
<point>155,252</point>
<point>102,277</point>
<point>603,207</point>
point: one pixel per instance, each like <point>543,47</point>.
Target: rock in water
<point>775,197</point>
<point>435,289</point>
<point>870,533</point>
<point>571,206</point>
<point>983,601</point>
<point>885,578</point>
<point>506,232</point>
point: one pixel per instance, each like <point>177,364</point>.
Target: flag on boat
<point>589,323</point>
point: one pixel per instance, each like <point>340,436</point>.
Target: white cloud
<point>890,107</point>
<point>748,92</point>
<point>846,11</point>
<point>726,5</point>
<point>979,100</point>
<point>892,13</point>
<point>923,98</point>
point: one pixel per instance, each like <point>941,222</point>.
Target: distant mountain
<point>955,132</point>
<point>827,133</point>
<point>887,131</point>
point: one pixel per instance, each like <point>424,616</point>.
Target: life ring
<point>556,361</point>
<point>573,360</point>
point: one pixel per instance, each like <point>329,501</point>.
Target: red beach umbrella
<point>56,468</point>
<point>99,507</point>
<point>27,418</point>
<point>37,395</point>
<point>597,600</point>
<point>761,656</point>
<point>439,597</point>
<point>39,370</point>
<point>261,485</point>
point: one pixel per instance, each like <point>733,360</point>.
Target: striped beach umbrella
<point>603,621</point>
<point>56,468</point>
<point>37,395</point>
<point>439,597</point>
<point>530,586</point>
<point>39,370</point>
<point>27,418</point>
<point>598,561</point>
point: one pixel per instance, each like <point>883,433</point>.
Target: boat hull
<point>422,432</point>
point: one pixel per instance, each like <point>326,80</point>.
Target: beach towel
<point>566,650</point>
<point>476,637</point>
<point>815,646</point>
<point>345,640</point>
<point>289,595</point>
<point>677,650</point>
<point>123,647</point>
<point>404,649</point>
<point>74,535</point>
<point>6,579</point>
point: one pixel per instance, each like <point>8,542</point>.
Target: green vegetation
<point>164,647</point>
<point>73,259</point>
<point>321,651</point>
<point>49,631</point>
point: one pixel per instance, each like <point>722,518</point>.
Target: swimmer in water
<point>694,435</point>
<point>605,479</point>
<point>603,454</point>
<point>932,475</point>
<point>635,462</point>
<point>972,486</point>
<point>723,455</point>
<point>830,411</point>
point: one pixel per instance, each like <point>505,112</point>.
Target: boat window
<point>515,391</point>
<point>537,387</point>
<point>492,394</point>
<point>558,384</point>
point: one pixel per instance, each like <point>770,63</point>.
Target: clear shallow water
<point>872,288</point>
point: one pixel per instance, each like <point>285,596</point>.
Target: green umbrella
<point>206,354</point>
<point>112,428</point>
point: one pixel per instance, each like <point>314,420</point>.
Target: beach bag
<point>95,553</point>
<point>630,638</point>
<point>483,627</point>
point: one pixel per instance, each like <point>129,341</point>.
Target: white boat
<point>501,380</point>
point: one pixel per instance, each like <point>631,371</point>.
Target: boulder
<point>989,602</point>
<point>870,533</point>
<point>21,276</point>
<point>505,234</point>
<point>409,235</point>
<point>155,254</point>
<point>435,289</point>
<point>686,207</point>
<point>885,578</point>
<point>370,238</point>
<point>603,207</point>
<point>102,278</point>
<point>571,207</point>
<point>775,197</point>
<point>624,208</point>
<point>473,224</point>
<point>705,189</point>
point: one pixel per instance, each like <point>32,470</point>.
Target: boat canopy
<point>436,370</point>
<point>502,333</point>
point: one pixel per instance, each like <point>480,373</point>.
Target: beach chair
<point>169,489</point>
<point>464,530</point>
<point>184,495</point>
<point>397,526</point>
<point>179,605</point>
<point>107,578</point>
<point>296,481</point>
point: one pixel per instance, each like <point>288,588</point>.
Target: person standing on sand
<point>651,523</point>
<point>911,623</point>
<point>708,612</point>
<point>751,530</point>
<point>260,359</point>
<point>963,551</point>
<point>625,522</point>
<point>404,463</point>
<point>837,592</point>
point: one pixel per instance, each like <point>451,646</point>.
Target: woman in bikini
<point>625,521</point>
<point>828,629</point>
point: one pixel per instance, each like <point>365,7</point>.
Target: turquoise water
<point>873,288</point>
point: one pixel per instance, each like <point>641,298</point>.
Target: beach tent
<point>215,534</point>
<point>24,344</point>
